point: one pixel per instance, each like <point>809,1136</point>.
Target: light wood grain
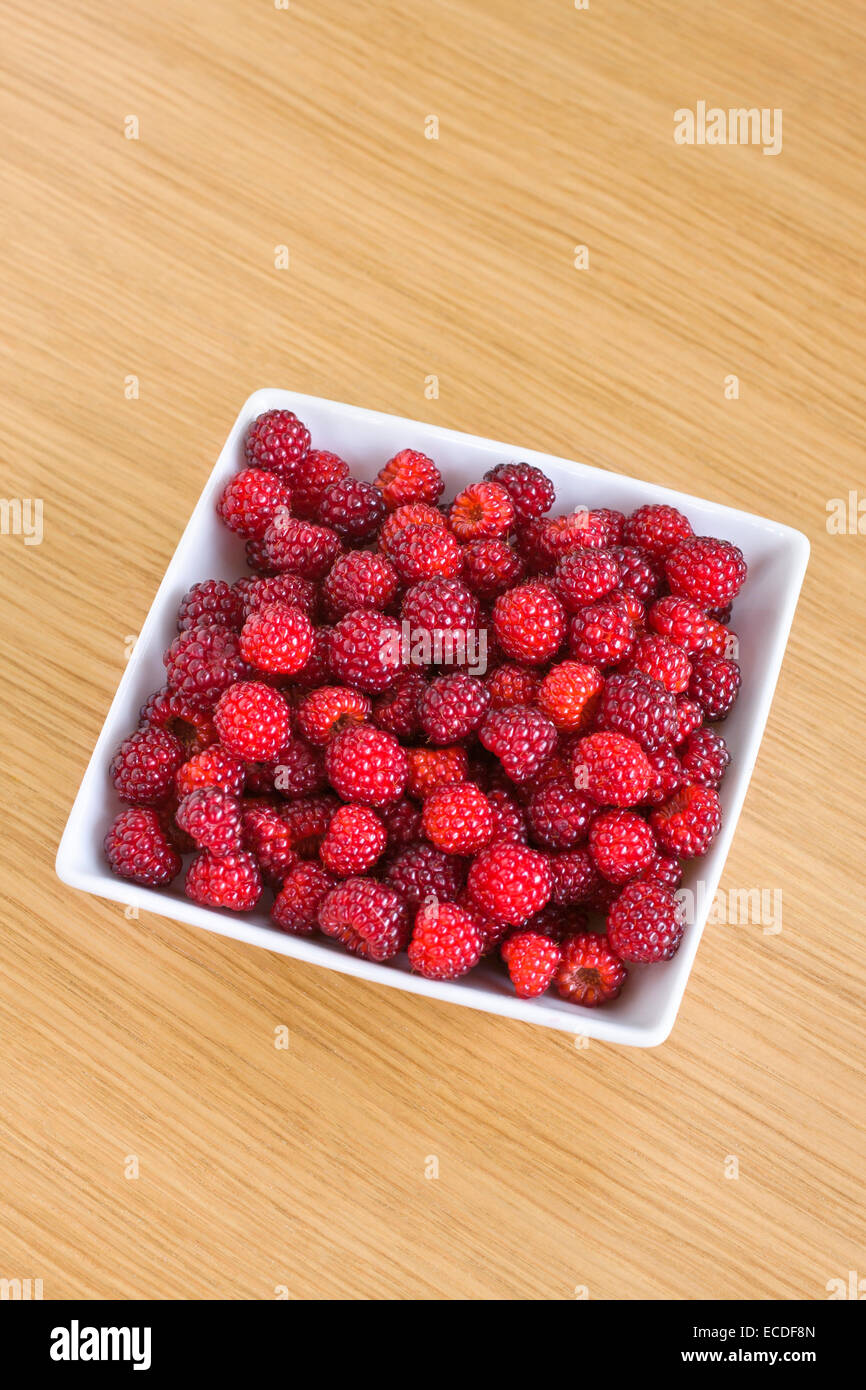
<point>304,1168</point>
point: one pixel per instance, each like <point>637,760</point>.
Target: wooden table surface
<point>142,301</point>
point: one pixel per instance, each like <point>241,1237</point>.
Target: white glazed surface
<point>777,556</point>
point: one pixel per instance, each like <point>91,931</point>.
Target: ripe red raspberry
<point>690,716</point>
<point>212,767</point>
<point>532,542</point>
<point>558,922</point>
<point>569,695</point>
<point>575,877</point>
<point>317,471</point>
<point>590,530</point>
<point>409,477</point>
<point>452,707</point>
<point>457,818</point>
<point>721,641</point>
<point>559,816</point>
<point>276,440</point>
<point>681,620</point>
<point>397,710</point>
<point>290,589</point>
<point>277,639</point>
<point>612,768</point>
<point>137,847</point>
<point>446,941</point>
<point>189,718</point>
<point>296,906</point>
<point>421,871</point>
<point>253,721</point>
<point>250,501</point>
<point>521,737</point>
<point>512,685</point>
<point>203,662</point>
<point>257,558</point>
<point>657,529</point>
<point>645,923</point>
<point>144,767</point>
<point>430,768</point>
<point>367,765</point>
<point>584,576</point>
<point>639,706</point>
<point>301,547</point>
<point>370,919</point>
<point>366,649</point>
<point>621,844</point>
<point>354,841</point>
<point>267,836</point>
<point>307,819</point>
<point>639,575</point>
<point>359,579</point>
<point>402,822</point>
<point>317,669</point>
<point>664,871</point>
<point>211,603</point>
<point>667,775</point>
<point>589,973</point>
<point>714,683</point>
<point>663,660</point>
<point>440,605</point>
<point>710,571</point>
<point>509,822</point>
<point>212,818</point>
<point>704,757</point>
<point>330,709</point>
<point>425,552</point>
<point>531,491</point>
<point>229,880</point>
<point>532,961</point>
<point>600,634</point>
<point>491,567</point>
<point>687,823</point>
<point>354,509</point>
<point>412,514</point>
<point>299,769</point>
<point>481,512</point>
<point>510,883</point>
<point>529,623</point>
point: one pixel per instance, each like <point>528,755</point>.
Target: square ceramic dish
<point>777,557</point>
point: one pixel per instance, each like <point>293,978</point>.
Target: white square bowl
<point>777,556</point>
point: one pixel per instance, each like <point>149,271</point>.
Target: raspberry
<point>689,717</point>
<point>412,514</point>
<point>368,918</point>
<point>589,973</point>
<point>491,567</point>
<point>316,670</point>
<point>212,603</point>
<point>266,835</point>
<point>714,683</point>
<point>253,721</point>
<point>721,641</point>
<point>662,870</point>
<point>457,818</point>
<point>704,757</point>
<point>277,440</point>
<point>662,659</point>
<point>687,823</point>
<point>421,871</point>
<point>575,877</point>
<point>440,605</point>
<point>250,501</point>
<point>307,820</point>
<point>137,847</point>
<point>681,620</point>
<point>296,906</point>
<point>365,650</point>
<point>452,707</point>
<point>299,770</point>
<point>557,922</point>
<point>621,844</point>
<point>144,766</point>
<point>277,639</point>
<point>645,923</point>
<point>600,634</point>
<point>532,961</point>
<point>402,823</point>
<point>366,765</point>
<point>521,737</point>
<point>187,717</point>
<point>532,544</point>
<point>290,589</point>
<point>639,706</point>
<point>330,709</point>
<point>301,547</point>
<point>317,471</point>
<point>409,477</point>
<point>531,491</point>
<point>203,662</point>
<point>229,880</point>
<point>355,839</point>
<point>558,815</point>
<point>212,767</point>
<point>446,941</point>
<point>354,509</point>
<point>667,775</point>
<point>631,606</point>
<point>638,574</point>
<point>425,552</point>
<point>657,529</point>
<point>612,768</point>
<point>481,512</point>
<point>569,694</point>
<point>529,623</point>
<point>398,709</point>
<point>359,579</point>
<point>509,822</point>
<point>512,685</point>
<point>589,530</point>
<point>584,576</point>
<point>710,571</point>
<point>257,558</point>
<point>430,768</point>
<point>510,883</point>
<point>211,818</point>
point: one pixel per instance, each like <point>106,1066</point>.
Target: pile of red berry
<point>455,731</point>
